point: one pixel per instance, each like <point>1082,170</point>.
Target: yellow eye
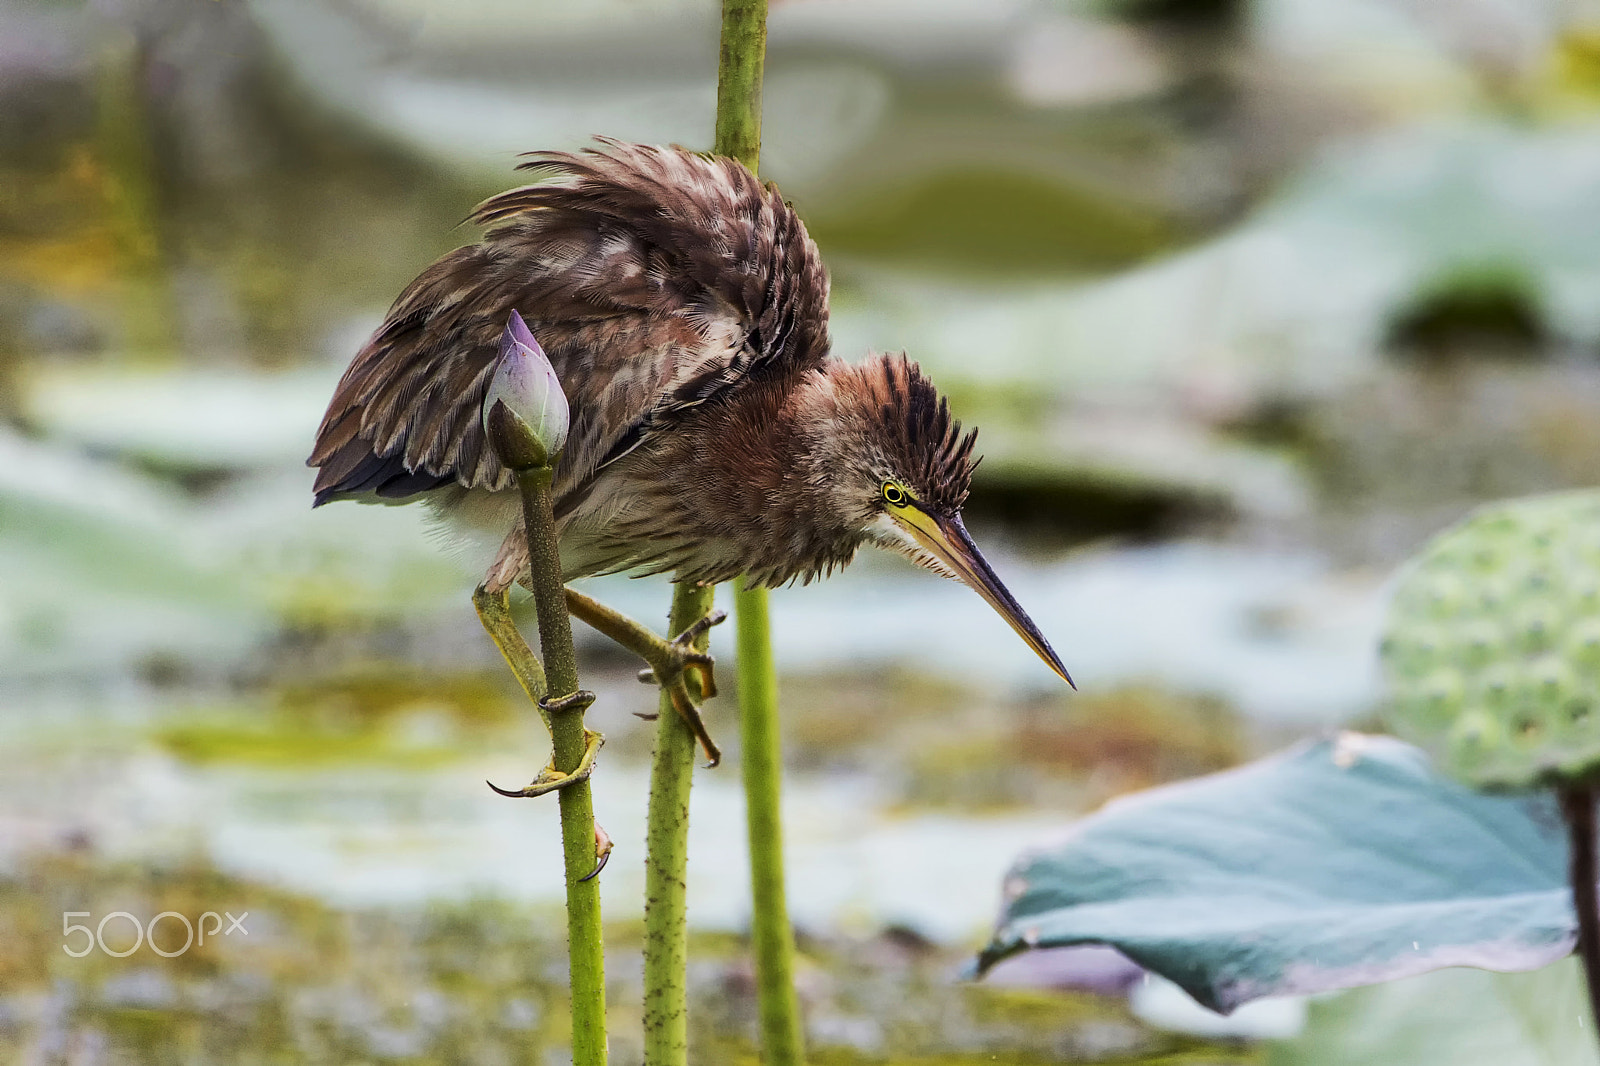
<point>894,494</point>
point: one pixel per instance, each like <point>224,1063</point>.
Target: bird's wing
<point>655,279</point>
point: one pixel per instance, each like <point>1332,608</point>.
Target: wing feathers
<point>656,280</point>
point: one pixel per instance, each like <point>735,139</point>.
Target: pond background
<point>1249,298</point>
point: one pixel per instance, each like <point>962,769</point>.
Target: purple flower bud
<point>525,412</point>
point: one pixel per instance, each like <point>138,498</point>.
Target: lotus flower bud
<point>525,412</point>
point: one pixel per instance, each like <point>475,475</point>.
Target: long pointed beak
<point>948,539</point>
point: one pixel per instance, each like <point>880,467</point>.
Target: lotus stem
<point>742,58</point>
<point>742,62</point>
<point>782,1036</point>
<point>585,946</point>
<point>666,867</point>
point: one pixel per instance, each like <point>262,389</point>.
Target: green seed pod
<point>1476,730</point>
<point>1492,647</point>
<point>1418,652</point>
<point>1442,696</point>
<point>1482,643</point>
<point>1534,625</point>
<point>1582,647</point>
<point>1447,595</point>
<point>1496,687</point>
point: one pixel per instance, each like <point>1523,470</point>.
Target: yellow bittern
<point>713,434</point>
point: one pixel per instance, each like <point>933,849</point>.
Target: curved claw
<point>602,853</point>
<point>703,665</point>
<point>550,779</point>
<point>693,633</point>
<point>691,717</point>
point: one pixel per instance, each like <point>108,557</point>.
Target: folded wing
<point>656,280</point>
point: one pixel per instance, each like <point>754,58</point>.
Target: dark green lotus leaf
<point>1333,865</point>
<point>1492,649</point>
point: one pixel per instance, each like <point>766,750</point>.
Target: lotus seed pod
<point>1482,643</point>
<point>1582,647</point>
<point>1442,696</point>
<point>1533,627</point>
<point>1492,647</point>
<point>1446,594</point>
<point>1476,730</point>
<point>1497,685</point>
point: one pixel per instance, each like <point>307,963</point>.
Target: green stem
<point>782,1039</point>
<point>666,930</point>
<point>741,64</point>
<point>666,1016</point>
<point>742,59</point>
<point>125,143</point>
<point>585,948</point>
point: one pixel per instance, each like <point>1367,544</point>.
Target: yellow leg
<point>670,660</point>
<point>494,611</point>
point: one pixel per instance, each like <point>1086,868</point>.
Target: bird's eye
<point>894,494</point>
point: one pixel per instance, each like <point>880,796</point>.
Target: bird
<point>714,434</point>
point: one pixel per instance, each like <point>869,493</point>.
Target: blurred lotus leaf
<point>1334,865</point>
<point>1492,650</point>
<point>1451,1018</point>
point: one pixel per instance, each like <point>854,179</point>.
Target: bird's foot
<point>647,676</point>
<point>580,700</point>
<point>670,667</point>
<point>701,662</point>
<point>684,704</point>
<point>679,655</point>
<point>550,779</point>
<point>671,661</point>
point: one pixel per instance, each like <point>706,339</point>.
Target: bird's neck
<point>818,415</point>
<point>787,476</point>
<point>749,488</point>
<point>828,425</point>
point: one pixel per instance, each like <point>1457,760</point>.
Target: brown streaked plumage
<point>713,434</point>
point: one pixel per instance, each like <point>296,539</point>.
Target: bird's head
<point>904,471</point>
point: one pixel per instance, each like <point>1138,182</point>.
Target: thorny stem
<point>666,667</point>
<point>782,1037</point>
<point>738,134</point>
<point>742,61</point>
<point>585,948</point>
<point>1577,808</point>
<point>666,933</point>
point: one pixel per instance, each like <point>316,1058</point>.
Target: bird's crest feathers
<point>920,437</point>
